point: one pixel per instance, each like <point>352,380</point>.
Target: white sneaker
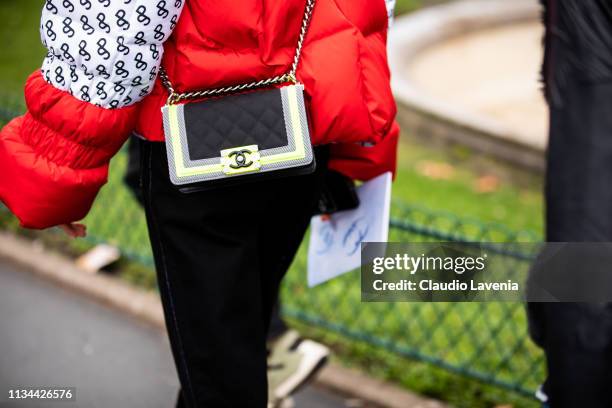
<point>292,362</point>
<point>313,358</point>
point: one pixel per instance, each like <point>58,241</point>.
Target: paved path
<point>52,337</point>
<point>492,72</point>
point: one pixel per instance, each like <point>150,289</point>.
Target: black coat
<point>577,74</point>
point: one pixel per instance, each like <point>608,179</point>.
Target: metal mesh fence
<point>484,341</point>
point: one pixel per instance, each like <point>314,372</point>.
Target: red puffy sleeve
<point>364,163</point>
<point>54,159</point>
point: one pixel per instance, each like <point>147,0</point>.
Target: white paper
<point>335,242</point>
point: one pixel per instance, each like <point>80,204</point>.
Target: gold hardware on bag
<point>292,156</point>
<point>290,77</point>
<point>243,159</point>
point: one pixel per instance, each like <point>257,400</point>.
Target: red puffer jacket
<point>98,85</point>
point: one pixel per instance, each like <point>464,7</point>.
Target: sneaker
<point>291,363</point>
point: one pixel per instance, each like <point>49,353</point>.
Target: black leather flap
<point>254,118</point>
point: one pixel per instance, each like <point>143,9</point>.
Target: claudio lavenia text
<point>452,286</point>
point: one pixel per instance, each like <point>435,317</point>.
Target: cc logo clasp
<point>240,159</point>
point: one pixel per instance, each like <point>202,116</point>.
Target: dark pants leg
<point>220,256</point>
<point>577,338</point>
<point>277,324</point>
<point>132,181</point>
<point>132,178</point>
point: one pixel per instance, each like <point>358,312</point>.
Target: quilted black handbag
<point>229,137</point>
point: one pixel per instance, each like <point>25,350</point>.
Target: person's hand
<point>75,230</point>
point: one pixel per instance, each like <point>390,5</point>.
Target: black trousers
<point>220,256</point>
<point>132,180</point>
<point>577,71</point>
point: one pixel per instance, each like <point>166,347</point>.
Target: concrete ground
<point>50,336</point>
<point>491,72</point>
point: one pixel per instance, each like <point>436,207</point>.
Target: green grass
<point>22,51</point>
<point>405,6</point>
<point>516,206</point>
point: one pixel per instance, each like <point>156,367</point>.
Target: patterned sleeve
<point>103,57</point>
<point>106,52</point>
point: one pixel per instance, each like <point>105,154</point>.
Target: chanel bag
<point>229,137</point>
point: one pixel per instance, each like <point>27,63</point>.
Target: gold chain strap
<point>176,97</point>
